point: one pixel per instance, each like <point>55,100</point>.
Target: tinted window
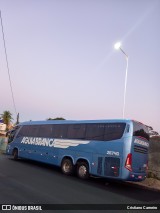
<point>114,131</point>
<point>33,130</point>
<point>45,131</point>
<point>99,132</point>
<point>76,131</point>
<point>23,131</point>
<point>95,132</point>
<point>36,131</point>
<point>105,132</point>
<point>28,131</point>
<point>140,130</point>
<point>59,131</point>
<point>11,134</point>
<point>55,131</point>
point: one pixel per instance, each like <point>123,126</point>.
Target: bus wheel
<point>15,154</point>
<point>83,170</point>
<point>67,166</point>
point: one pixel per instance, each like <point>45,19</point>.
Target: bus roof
<point>75,121</point>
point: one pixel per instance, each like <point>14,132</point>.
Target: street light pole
<point>118,46</point>
<point>125,87</point>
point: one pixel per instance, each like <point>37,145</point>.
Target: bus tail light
<point>128,164</point>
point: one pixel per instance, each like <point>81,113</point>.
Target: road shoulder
<point>148,183</point>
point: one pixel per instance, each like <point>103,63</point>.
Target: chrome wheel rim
<point>82,171</point>
<point>66,167</point>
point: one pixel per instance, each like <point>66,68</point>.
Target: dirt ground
<point>149,183</point>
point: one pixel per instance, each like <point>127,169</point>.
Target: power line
<point>10,82</point>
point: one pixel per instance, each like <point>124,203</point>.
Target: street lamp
<point>117,46</point>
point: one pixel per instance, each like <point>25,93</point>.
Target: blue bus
<point>114,149</point>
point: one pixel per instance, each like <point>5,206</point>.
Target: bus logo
<point>143,143</point>
<point>113,153</point>
<point>50,142</point>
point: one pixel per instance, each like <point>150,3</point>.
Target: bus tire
<point>15,154</point>
<point>67,166</point>
<point>83,170</point>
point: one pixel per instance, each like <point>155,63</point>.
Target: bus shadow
<point>125,189</point>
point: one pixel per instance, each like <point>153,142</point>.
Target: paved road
<point>23,182</point>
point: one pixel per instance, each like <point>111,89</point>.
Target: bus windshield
<point>11,133</point>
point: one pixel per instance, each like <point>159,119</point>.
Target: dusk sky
<point>63,63</point>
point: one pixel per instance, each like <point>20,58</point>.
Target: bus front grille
<point>140,149</point>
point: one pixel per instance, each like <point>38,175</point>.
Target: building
<point>2,127</point>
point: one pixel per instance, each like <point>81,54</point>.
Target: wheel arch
<point>83,160</point>
<point>67,157</point>
<point>15,153</point>
<point>15,148</point>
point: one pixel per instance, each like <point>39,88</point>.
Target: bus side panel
<point>39,153</point>
<point>66,153</point>
<point>107,160</point>
<point>33,152</point>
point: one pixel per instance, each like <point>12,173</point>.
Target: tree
<point>7,117</point>
<point>155,139</point>
<point>152,133</point>
<point>58,118</point>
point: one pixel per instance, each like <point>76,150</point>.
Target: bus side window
<point>95,132</point>
<point>114,131</point>
<point>33,130</point>
<point>76,131</point>
<point>45,131</point>
<point>23,132</point>
<point>59,131</point>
